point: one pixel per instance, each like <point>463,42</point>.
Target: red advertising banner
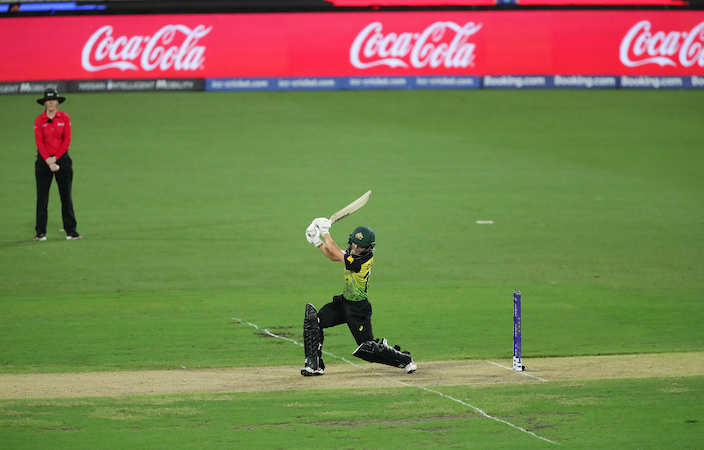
<point>659,43</point>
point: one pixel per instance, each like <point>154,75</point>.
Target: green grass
<point>645,413</point>
<point>193,208</point>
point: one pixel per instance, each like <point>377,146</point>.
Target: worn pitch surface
<point>347,376</point>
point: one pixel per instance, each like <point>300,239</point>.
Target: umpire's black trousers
<point>64,179</point>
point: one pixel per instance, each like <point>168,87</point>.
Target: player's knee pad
<point>380,352</point>
<point>312,338</point>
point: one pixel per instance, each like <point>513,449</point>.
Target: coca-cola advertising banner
<point>360,44</point>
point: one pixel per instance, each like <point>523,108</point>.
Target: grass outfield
<point>644,413</point>
<point>193,208</point>
<point>634,413</point>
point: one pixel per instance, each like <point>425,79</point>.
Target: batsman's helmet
<point>363,237</point>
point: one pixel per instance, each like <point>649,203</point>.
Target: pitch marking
<point>510,368</point>
<point>479,410</point>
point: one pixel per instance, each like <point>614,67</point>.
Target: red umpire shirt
<point>53,135</point>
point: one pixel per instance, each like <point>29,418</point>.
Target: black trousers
<point>64,179</point>
<point>357,315</point>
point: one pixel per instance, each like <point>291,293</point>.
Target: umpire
<point>52,131</point>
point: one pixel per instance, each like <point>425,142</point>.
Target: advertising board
<point>431,49</point>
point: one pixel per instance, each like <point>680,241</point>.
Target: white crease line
<point>296,342</point>
<point>511,369</point>
<point>480,411</point>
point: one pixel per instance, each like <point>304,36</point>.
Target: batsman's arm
<point>331,250</point>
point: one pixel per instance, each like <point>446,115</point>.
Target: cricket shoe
<point>40,237</point>
<point>73,236</point>
<point>411,367</point>
<point>310,372</point>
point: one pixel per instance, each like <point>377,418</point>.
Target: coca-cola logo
<point>441,44</point>
<point>171,46</point>
<point>642,46</point>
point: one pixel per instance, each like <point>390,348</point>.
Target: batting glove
<point>311,233</point>
<point>323,224</point>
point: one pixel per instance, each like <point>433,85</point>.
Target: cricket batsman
<point>352,307</point>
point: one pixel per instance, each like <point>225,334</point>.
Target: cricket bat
<point>351,208</point>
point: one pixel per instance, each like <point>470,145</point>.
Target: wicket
<point>517,352</point>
